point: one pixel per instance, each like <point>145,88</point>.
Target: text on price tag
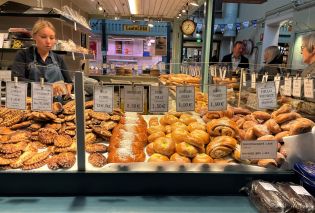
<point>258,150</point>
<point>266,95</point>
<point>217,98</point>
<point>185,98</point>
<point>287,86</point>
<point>5,75</point>
<point>103,98</point>
<point>42,97</point>
<point>133,98</point>
<point>158,99</point>
<point>16,93</point>
<point>253,81</point>
<point>297,87</point>
<point>308,88</point>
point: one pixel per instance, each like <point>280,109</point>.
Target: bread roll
<point>156,157</point>
<point>196,125</point>
<point>202,158</point>
<point>179,135</point>
<point>180,159</point>
<point>164,146</point>
<point>155,135</point>
<point>187,119</point>
<point>186,149</point>
<point>168,119</point>
<point>221,147</point>
<point>154,129</point>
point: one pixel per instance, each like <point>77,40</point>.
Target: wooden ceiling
<point>245,1</point>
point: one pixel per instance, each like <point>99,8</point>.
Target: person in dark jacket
<point>273,61</point>
<point>236,59</point>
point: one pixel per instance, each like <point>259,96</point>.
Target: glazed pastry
<point>195,142</point>
<point>154,129</point>
<point>149,149</point>
<point>250,134</point>
<point>266,138</point>
<point>168,129</point>
<point>200,135</point>
<point>300,127</point>
<point>155,136</point>
<point>196,125</point>
<point>202,158</point>
<point>285,108</point>
<point>221,146</point>
<point>158,158</point>
<point>222,126</point>
<point>240,123</point>
<point>154,121</point>
<point>186,149</point>
<point>285,117</point>
<point>187,119</point>
<point>180,159</point>
<point>164,146</point>
<point>261,130</point>
<point>286,125</point>
<point>260,115</point>
<point>229,113</point>
<point>249,124</point>
<point>179,135</point>
<point>179,125</point>
<point>273,126</point>
<point>237,155</point>
<point>168,119</point>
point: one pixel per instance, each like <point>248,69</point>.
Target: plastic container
<point>306,173</point>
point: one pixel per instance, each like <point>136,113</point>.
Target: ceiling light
<point>133,6</point>
<point>179,15</point>
<point>184,11</point>
<point>194,3</point>
<point>100,8</point>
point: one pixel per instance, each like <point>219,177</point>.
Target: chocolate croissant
<point>221,146</point>
<point>221,127</point>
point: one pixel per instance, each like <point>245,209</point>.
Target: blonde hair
<point>272,52</point>
<point>309,42</point>
<point>40,24</point>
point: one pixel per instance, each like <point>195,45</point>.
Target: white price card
<point>253,81</point>
<point>42,97</point>
<point>308,88</point>
<point>185,98</point>
<point>133,98</point>
<point>266,95</point>
<point>103,98</point>
<point>297,87</point>
<point>268,186</point>
<point>112,66</point>
<point>244,78</point>
<point>217,98</point>
<point>16,93</point>
<point>287,86</point>
<point>259,149</point>
<point>300,190</point>
<point>5,75</point>
<point>277,80</point>
<point>158,99</point>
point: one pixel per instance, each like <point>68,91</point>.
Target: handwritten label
<point>185,98</point>
<point>253,81</point>
<point>297,87</point>
<point>266,95</point>
<point>16,94</point>
<point>287,86</point>
<point>103,98</point>
<point>258,150</point>
<point>268,186</point>
<point>277,80</point>
<point>158,99</point>
<point>300,190</point>
<point>308,88</point>
<point>42,97</point>
<point>133,98</point>
<point>5,75</point>
<point>217,98</point>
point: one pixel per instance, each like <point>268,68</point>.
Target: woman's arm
<point>19,66</point>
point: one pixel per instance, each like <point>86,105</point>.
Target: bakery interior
<point>154,113</point>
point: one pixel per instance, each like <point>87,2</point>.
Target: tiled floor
<point>137,204</point>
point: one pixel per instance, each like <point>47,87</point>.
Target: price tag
<point>287,86</point>
<point>222,72</point>
<point>244,78</point>
<point>308,88</point>
<point>133,98</point>
<point>266,95</point>
<point>42,97</point>
<point>103,98</point>
<point>73,56</point>
<point>268,186</point>
<point>5,75</point>
<point>300,190</point>
<point>277,83</point>
<point>112,66</point>
<point>158,99</point>
<point>217,98</point>
<point>83,56</point>
<point>16,93</point>
<point>212,70</point>
<point>297,87</point>
<point>185,98</point>
<point>259,150</point>
<point>253,81</point>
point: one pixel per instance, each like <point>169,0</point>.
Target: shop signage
<point>158,99</point>
<point>16,95</point>
<point>185,98</point>
<point>266,95</point>
<point>297,87</point>
<point>135,27</point>
<point>217,98</point>
<point>133,101</point>
<point>258,149</point>
<point>308,88</point>
<point>42,97</point>
<point>103,98</point>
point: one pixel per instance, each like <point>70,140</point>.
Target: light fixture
<point>180,15</point>
<point>150,23</point>
<point>116,17</point>
<point>100,8</point>
<point>133,6</point>
<point>194,3</point>
<point>183,10</point>
<point>177,17</point>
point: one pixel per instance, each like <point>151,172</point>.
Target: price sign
<point>158,99</point>
<point>244,78</point>
<point>112,66</point>
<point>42,97</point>
<point>5,75</point>
<point>253,81</point>
<point>258,150</point>
<point>185,98</point>
<point>16,93</point>
<point>103,98</point>
<point>133,98</point>
<point>297,87</point>
<point>308,88</point>
<point>217,98</point>
<point>212,70</point>
<point>288,86</point>
<point>277,83</point>
<point>266,95</point>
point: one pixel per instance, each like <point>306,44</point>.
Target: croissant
<point>273,126</point>
<point>260,115</point>
<point>222,126</point>
<point>196,125</point>
<point>240,122</point>
<point>300,127</point>
<point>229,113</point>
<point>154,121</point>
<point>221,146</point>
<point>249,124</point>
<point>168,119</point>
<point>285,117</point>
<point>261,130</point>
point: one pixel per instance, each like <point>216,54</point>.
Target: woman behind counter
<point>273,60</point>
<point>39,61</point>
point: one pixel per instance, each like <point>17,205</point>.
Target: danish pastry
<point>164,146</point>
<point>179,135</point>
<point>178,125</point>
<point>202,158</point>
<point>168,119</point>
<point>187,119</point>
<point>200,135</point>
<point>179,158</point>
<point>186,149</point>
<point>158,158</point>
<point>155,135</point>
<point>222,126</point>
<point>196,125</point>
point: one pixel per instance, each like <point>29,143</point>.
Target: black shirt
<point>20,67</point>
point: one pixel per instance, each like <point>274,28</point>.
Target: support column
<point>176,47</point>
<point>206,45</point>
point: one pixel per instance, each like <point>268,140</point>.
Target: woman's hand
<point>58,89</point>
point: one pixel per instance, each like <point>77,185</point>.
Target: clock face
<point>188,27</point>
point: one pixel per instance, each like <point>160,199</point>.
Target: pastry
<point>285,117</point>
<point>202,158</point>
<point>158,158</point>
<point>179,158</point>
<point>154,129</point>
<point>179,125</point>
<point>260,115</point>
<point>301,127</point>
<point>168,129</point>
<point>240,122</point>
<point>267,163</point>
<point>286,125</point>
<point>196,125</point>
<point>242,111</point>
<point>221,146</point>
<point>273,126</point>
<point>187,119</point>
<point>186,149</point>
<point>249,124</point>
<point>200,135</point>
<point>241,133</point>
<point>149,149</point>
<point>164,146</point>
<point>266,138</point>
<point>154,136</point>
<point>154,121</point>
<point>179,135</point>
<point>237,155</point>
<point>285,108</point>
<point>222,126</point>
<point>97,160</point>
<point>168,119</point>
<point>260,130</point>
